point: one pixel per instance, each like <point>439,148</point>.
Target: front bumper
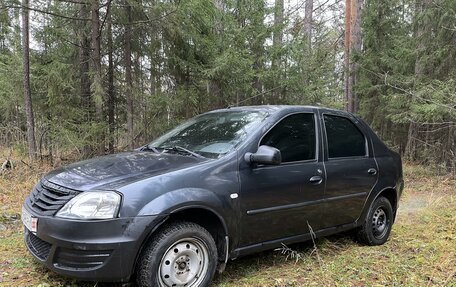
<point>102,250</point>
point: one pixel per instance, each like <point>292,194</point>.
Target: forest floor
<point>421,250</point>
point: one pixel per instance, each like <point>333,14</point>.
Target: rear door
<point>278,201</point>
<point>350,168</point>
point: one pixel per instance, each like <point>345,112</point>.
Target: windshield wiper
<point>182,149</point>
<point>151,148</point>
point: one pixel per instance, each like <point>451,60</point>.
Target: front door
<point>280,201</point>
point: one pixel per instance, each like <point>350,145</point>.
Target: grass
<point>421,250</point>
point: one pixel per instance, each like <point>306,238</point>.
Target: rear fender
<point>376,192</point>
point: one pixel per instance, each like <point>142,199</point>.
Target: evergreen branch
<point>158,18</point>
<point>439,123</point>
<point>108,10</point>
<point>45,12</point>
<point>423,142</point>
<point>295,9</point>
<point>450,29</point>
<point>438,129</point>
<point>407,92</point>
<point>323,21</point>
<point>330,6</point>
<point>74,2</point>
<point>257,95</point>
<point>77,2</point>
<point>416,96</point>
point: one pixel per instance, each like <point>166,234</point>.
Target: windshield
<point>211,135</point>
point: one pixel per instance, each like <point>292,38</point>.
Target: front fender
<point>174,200</point>
<point>177,200</point>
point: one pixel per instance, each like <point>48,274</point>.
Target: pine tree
<point>26,81</point>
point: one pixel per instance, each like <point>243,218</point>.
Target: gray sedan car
<point>222,185</point>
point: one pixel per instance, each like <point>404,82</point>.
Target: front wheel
<point>377,224</point>
<point>181,254</point>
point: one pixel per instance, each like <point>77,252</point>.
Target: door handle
<point>316,179</point>
<point>372,171</point>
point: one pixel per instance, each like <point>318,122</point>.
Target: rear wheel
<point>377,224</point>
<point>182,254</point>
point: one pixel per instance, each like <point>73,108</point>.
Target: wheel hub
<point>379,222</point>
<point>182,265</point>
<point>185,263</point>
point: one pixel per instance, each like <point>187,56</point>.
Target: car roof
<point>276,108</point>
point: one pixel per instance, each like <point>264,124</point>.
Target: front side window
<point>294,136</point>
<point>344,138</point>
<point>213,134</point>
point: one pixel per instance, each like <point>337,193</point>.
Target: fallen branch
<point>26,164</point>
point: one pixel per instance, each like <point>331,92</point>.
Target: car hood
<point>113,171</point>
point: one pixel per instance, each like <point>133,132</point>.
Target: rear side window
<point>294,136</point>
<point>344,138</point>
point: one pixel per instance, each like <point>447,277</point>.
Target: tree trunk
<point>307,26</point>
<point>355,48</point>
<point>214,87</point>
<point>352,46</point>
<point>278,23</point>
<point>258,48</point>
<point>110,92</point>
<point>97,90</point>
<point>277,45</point>
<point>220,6</point>
<point>451,148</point>
<point>26,81</point>
<point>423,35</point>
<point>84,72</point>
<point>155,63</point>
<point>128,78</point>
<point>410,146</point>
<point>97,83</point>
<point>155,56</point>
<point>84,64</point>
<point>348,88</point>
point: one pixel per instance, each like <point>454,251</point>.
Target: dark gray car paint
<point>275,204</point>
<point>348,180</point>
<point>277,198</point>
<point>115,170</point>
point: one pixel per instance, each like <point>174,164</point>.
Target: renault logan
<point>222,185</point>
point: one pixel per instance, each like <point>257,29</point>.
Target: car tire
<point>377,224</point>
<point>180,254</point>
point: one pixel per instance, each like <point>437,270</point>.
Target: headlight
<point>91,205</point>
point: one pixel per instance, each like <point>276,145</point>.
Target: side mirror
<point>264,155</point>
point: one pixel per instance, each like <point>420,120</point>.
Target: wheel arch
<point>389,193</point>
<point>201,215</point>
<point>211,220</point>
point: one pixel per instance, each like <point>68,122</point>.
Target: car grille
<point>47,198</point>
<point>80,259</point>
<point>37,246</point>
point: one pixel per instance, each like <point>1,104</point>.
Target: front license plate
<point>29,220</point>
